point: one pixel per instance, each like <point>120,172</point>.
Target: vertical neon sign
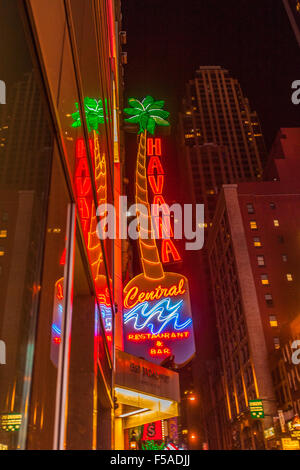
<point>88,220</point>
<point>157,312</point>
<point>156,180</point>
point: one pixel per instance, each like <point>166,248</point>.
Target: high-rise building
<point>220,135</point>
<point>24,131</point>
<point>221,143</point>
<point>254,256</point>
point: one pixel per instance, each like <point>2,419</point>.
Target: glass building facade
<point>60,284</point>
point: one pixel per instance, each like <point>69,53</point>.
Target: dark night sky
<point>253,39</point>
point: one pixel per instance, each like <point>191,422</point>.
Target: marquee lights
<point>157,313</point>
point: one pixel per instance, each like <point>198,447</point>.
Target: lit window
<point>276,343</point>
<point>269,299</point>
<point>256,241</point>
<point>250,209</point>
<point>284,258</point>
<point>261,260</point>
<point>273,321</point>
<point>276,222</point>
<point>264,279</point>
<point>2,251</point>
<point>3,233</point>
<point>289,277</point>
<point>253,225</point>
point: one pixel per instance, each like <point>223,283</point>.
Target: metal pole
<point>63,361</point>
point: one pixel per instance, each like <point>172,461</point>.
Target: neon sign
<point>156,180</point>
<point>94,116</point>
<point>57,320</point>
<point>157,320</point>
<point>163,314</point>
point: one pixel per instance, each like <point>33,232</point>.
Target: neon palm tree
<point>147,114</point>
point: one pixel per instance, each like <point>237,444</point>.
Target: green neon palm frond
<point>147,113</point>
<point>93,112</point>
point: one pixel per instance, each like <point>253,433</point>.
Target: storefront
<point>59,159</point>
<point>146,400</point>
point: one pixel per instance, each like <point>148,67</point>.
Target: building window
<point>2,251</point>
<point>5,216</point>
<point>280,239</point>
<point>269,299</point>
<point>256,241</point>
<point>253,225</point>
<point>284,258</point>
<point>273,321</point>
<point>276,222</point>
<point>264,279</point>
<point>289,277</point>
<point>272,205</point>
<point>276,343</point>
<point>261,260</point>
<point>3,233</point>
<point>250,209</point>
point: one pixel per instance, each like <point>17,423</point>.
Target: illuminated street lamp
<point>192,398</point>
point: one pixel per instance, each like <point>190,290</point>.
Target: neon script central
<point>136,296</point>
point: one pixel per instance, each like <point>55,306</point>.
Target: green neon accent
<point>152,445</point>
<point>147,113</point>
<point>93,113</point>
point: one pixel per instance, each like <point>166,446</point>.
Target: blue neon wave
<point>56,329</point>
<point>163,312</point>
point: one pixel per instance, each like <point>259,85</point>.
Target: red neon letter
<point>83,186</point>
<point>82,168</point>
<point>153,146</point>
<point>155,164</point>
<point>167,249</point>
<point>83,208</point>
<point>163,228</point>
<point>156,183</point>
<point>158,200</point>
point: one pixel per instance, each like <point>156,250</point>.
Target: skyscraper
<point>220,135</point>
<point>253,252</point>
<point>222,143</point>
